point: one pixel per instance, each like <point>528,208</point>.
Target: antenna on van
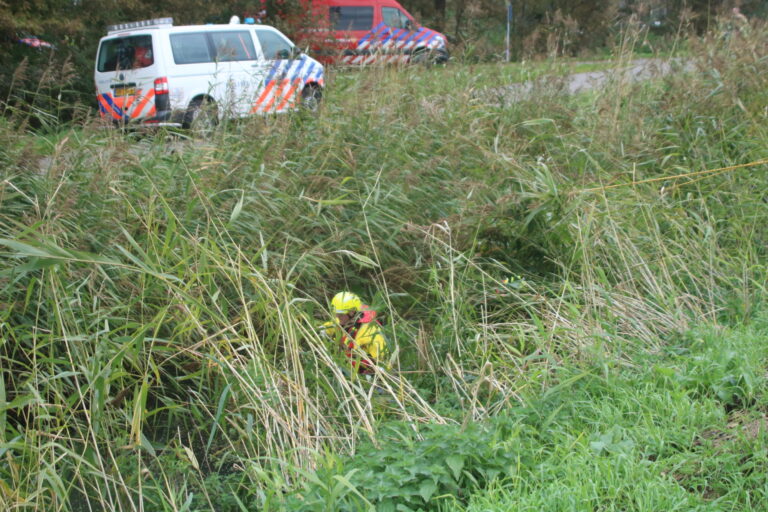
<point>234,20</point>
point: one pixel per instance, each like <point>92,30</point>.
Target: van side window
<point>351,18</point>
<point>233,45</point>
<point>273,45</point>
<point>190,48</point>
<point>395,18</point>
<point>125,53</point>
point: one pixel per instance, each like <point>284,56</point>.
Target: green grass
<point>160,299</point>
<point>459,78</point>
<point>662,435</point>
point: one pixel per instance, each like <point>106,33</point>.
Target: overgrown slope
<point>161,295</point>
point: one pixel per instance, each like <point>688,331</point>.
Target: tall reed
<point>162,296</point>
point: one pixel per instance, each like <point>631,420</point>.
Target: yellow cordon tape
<point>719,170</point>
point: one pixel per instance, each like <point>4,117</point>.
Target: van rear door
<point>126,70</point>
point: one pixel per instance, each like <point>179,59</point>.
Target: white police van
<point>151,72</point>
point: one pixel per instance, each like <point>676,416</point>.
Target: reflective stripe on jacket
<point>364,335</point>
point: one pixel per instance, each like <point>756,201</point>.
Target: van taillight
<point>161,85</point>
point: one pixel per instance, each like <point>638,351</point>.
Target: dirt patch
<point>632,72</point>
<point>741,425</point>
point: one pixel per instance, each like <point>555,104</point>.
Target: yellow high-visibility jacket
<point>365,335</point>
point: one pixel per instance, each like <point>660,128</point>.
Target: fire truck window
<point>273,45</point>
<point>394,17</point>
<point>233,45</point>
<point>351,18</point>
<point>125,53</point>
<point>190,48</point>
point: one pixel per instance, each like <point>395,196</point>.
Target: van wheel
<point>201,117</point>
<point>429,57</point>
<point>310,98</point>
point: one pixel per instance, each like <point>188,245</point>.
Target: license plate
<point>125,91</point>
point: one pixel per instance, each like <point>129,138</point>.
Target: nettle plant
<point>411,471</point>
<point>717,366</point>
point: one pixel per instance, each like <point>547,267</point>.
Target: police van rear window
<point>123,53</point>
<point>225,46</point>
<point>351,18</point>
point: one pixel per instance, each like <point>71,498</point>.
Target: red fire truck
<point>360,32</point>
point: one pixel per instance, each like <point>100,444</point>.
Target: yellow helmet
<point>345,301</point>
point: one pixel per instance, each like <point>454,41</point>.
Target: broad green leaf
<point>427,489</point>
<point>456,463</point>
<point>2,405</point>
<point>146,444</point>
<point>139,404</point>
<point>237,209</point>
<point>597,446</point>
<point>217,418</point>
<point>23,249</point>
<point>346,481</point>
<point>664,372</point>
<point>335,202</point>
<point>240,504</point>
<point>537,122</point>
<point>19,402</point>
<point>359,258</point>
<point>566,383</point>
<point>34,263</point>
<point>187,503</point>
<point>49,251</point>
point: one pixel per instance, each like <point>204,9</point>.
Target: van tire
<point>201,117</point>
<point>428,57</point>
<point>310,98</point>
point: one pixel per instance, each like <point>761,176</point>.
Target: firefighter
<point>357,332</point>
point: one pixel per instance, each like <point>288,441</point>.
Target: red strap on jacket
<point>368,316</point>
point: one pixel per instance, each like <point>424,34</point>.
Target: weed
<point>161,297</point>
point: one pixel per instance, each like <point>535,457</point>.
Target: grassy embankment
<point>160,298</point>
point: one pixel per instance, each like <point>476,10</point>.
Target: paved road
<point>635,71</point>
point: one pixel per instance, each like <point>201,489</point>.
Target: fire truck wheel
<point>428,57</point>
<point>310,98</point>
<point>201,117</point>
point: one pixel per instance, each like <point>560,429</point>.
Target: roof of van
<point>167,24</point>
